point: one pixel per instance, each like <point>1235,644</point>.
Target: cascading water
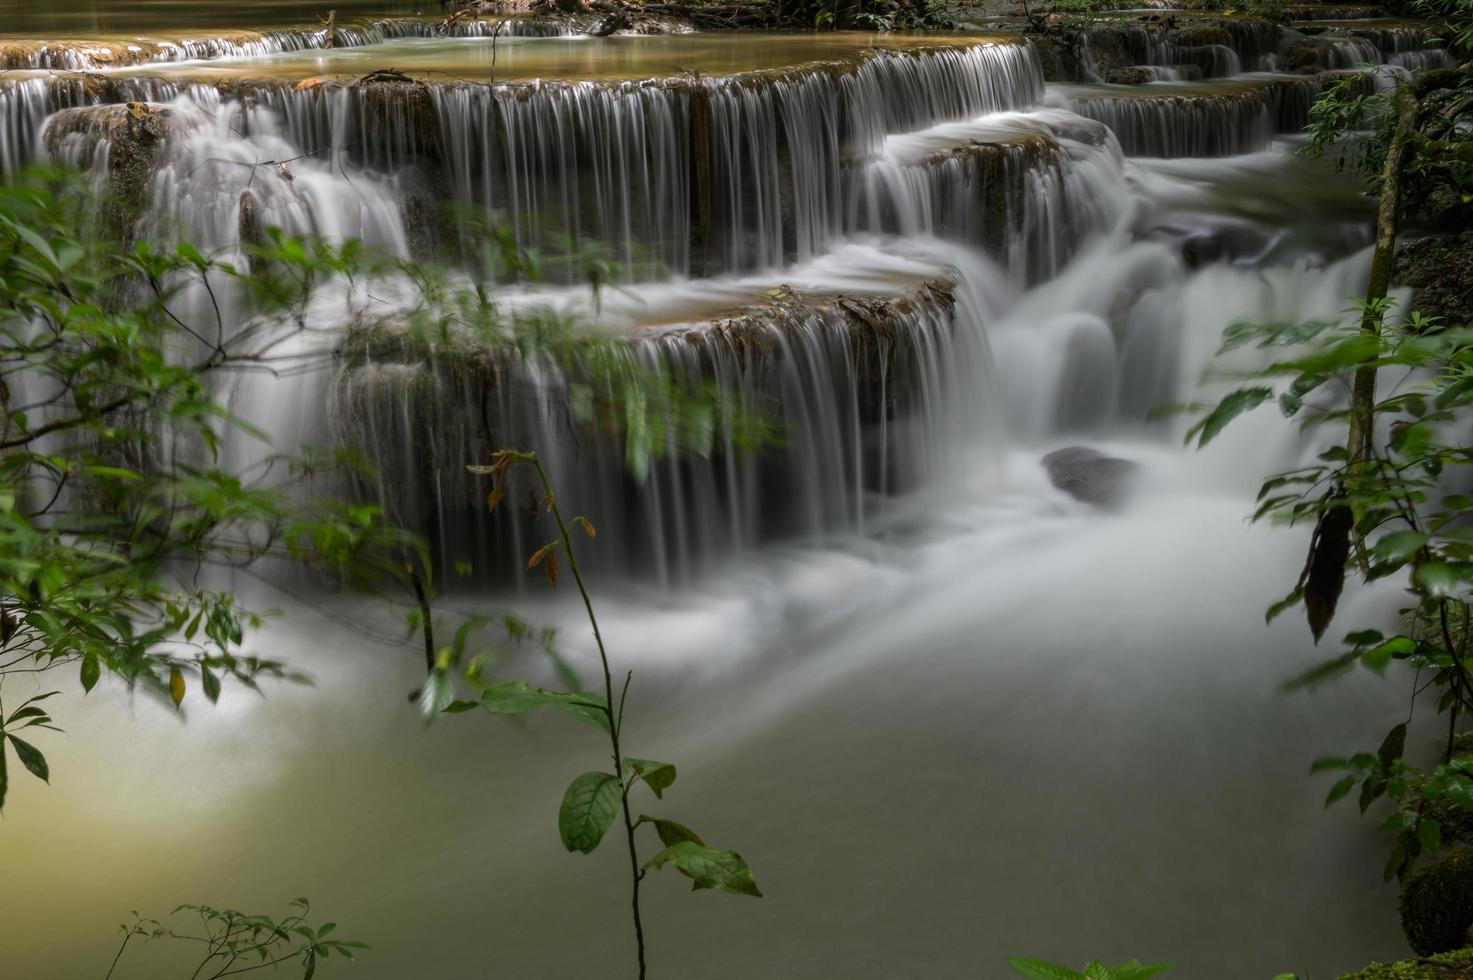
<point>928,270</point>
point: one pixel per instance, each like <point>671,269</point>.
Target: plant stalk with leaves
<point>1093,970</point>
<point>594,800</point>
<point>237,942</point>
<point>1384,499</point>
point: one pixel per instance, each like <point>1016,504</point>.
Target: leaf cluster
<point>236,942</point>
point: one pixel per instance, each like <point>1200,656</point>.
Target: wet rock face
<point>1303,56</point>
<point>1091,476</point>
<point>131,134</point>
<point>1070,54</point>
<point>1439,268</point>
<point>1130,76</point>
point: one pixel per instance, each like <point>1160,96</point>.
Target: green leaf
<point>459,707</point>
<point>4,778</point>
<point>1040,969</point>
<point>515,697</point>
<point>588,809</point>
<point>31,758</point>
<point>1393,745</point>
<point>1429,832</point>
<point>708,868</point>
<point>1436,579</point>
<point>211,683</point>
<point>672,833</point>
<point>657,775</point>
<point>1382,654</point>
<point>437,693</point>
<point>1233,405</point>
<point>91,670</point>
<point>1339,790</point>
<point>1398,547</point>
<point>1135,970</point>
<point>1289,601</point>
<point>1323,671</point>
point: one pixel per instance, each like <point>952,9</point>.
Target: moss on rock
<point>1457,965</point>
<point>1437,904</point>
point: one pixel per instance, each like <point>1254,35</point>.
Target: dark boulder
<point>1091,476</point>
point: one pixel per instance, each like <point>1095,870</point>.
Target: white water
<point>947,719</point>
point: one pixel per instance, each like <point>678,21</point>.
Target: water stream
<point>948,712</point>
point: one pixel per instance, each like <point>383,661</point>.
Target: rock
<point>1089,475</point>
<point>1134,75</point>
<point>1448,966</point>
<point>1439,268</point>
<point>1054,57</point>
<point>1200,250</point>
<point>129,137</point>
<point>608,24</point>
<point>1437,904</point>
<point>1227,242</point>
<point>1302,57</point>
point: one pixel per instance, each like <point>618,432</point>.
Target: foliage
<point>1390,511</point>
<point>1453,18</point>
<point>1354,119</point>
<point>116,482</point>
<point>237,942</point>
<point>1437,904</point>
<point>871,15</point>
<point>1093,970</point>
<point>594,800</point>
<point>113,492</point>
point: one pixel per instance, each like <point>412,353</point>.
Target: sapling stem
<point>614,718</point>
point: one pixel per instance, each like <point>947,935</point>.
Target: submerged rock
<point>1091,476</point>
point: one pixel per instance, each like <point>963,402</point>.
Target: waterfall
<point>866,390</point>
<point>1234,119</point>
<point>738,207</point>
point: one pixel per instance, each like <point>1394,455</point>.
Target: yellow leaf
<point>494,497</point>
<point>552,570</point>
<point>589,528</point>
<point>176,685</point>
<point>540,554</point>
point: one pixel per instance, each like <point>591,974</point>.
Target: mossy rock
<point>1134,75</point>
<point>1457,965</point>
<point>1437,904</point>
